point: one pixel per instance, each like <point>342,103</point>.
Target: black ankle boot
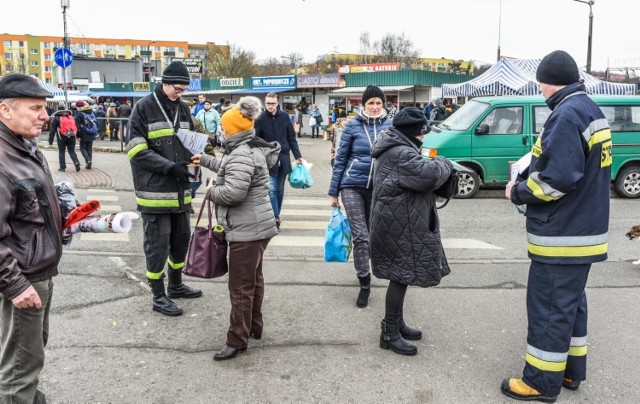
<point>409,333</point>
<point>365,291</point>
<point>161,303</point>
<point>390,338</point>
<point>177,289</point>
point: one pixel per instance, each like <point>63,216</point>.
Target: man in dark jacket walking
<point>161,181</point>
<point>30,239</point>
<point>275,125</point>
<point>64,141</point>
<point>124,112</point>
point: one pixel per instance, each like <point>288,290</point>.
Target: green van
<point>488,133</point>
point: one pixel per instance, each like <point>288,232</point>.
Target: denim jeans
<point>276,191</point>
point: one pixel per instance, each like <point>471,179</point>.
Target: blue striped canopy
<point>53,90</point>
<point>518,77</point>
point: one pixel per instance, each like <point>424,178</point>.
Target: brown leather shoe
<point>227,353</point>
<point>519,390</point>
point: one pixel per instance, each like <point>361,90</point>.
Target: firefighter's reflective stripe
<point>175,265</point>
<point>154,275</point>
<point>161,199</point>
<point>597,132</point>
<point>546,361</point>
<point>578,346</point>
<point>541,189</point>
<point>135,146</point>
<point>568,246</point>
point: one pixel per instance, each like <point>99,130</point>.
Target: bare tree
<point>396,48</point>
<point>294,60</point>
<point>273,67</point>
<point>236,62</point>
<point>478,70</point>
<point>365,45</point>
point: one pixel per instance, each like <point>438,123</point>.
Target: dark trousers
<point>394,304</point>
<point>23,336</point>
<point>166,235</point>
<point>86,148</point>
<point>246,291</point>
<point>276,190</point>
<point>557,331</point>
<point>66,144</point>
<point>357,204</point>
<point>113,130</point>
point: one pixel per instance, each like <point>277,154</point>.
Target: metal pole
<point>499,29</point>
<point>65,45</point>
<point>590,38</point>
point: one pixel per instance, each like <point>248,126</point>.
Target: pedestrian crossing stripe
<point>110,198</point>
<point>316,241</point>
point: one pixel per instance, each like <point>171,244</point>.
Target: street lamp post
<point>590,3</point>
<point>65,4</point>
<point>295,61</point>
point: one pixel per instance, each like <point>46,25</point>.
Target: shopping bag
<point>207,251</point>
<point>337,238</point>
<point>300,177</point>
<point>312,121</point>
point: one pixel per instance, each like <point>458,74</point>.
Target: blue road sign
<point>63,57</point>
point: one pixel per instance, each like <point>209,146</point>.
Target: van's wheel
<point>628,182</point>
<point>468,185</point>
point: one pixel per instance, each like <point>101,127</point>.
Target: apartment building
<point>34,55</point>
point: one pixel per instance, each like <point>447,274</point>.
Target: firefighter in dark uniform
<point>566,194</point>
<point>161,181</point>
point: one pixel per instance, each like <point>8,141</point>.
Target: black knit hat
<point>371,92</point>
<point>558,68</point>
<point>410,121</point>
<point>176,73</point>
<point>17,85</point>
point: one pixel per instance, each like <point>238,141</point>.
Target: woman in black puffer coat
<point>404,231</point>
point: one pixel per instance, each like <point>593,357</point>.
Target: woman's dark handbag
<point>450,187</point>
<point>207,252</point>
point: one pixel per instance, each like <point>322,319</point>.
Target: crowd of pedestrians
<point>386,186</point>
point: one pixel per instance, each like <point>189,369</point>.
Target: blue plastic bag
<point>300,177</point>
<point>337,238</point>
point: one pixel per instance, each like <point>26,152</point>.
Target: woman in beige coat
<point>243,208</point>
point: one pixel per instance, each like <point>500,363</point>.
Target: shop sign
<point>194,65</point>
<point>370,68</point>
<point>233,82</point>
<point>321,80</point>
<point>141,86</point>
<point>273,82</point>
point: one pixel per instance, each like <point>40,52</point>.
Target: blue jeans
<point>276,191</point>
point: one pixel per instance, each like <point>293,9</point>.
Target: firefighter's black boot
<point>161,303</point>
<point>390,338</point>
<point>177,289</point>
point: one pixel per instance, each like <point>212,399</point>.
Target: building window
<point>47,68</point>
<point>7,43</point>
<point>181,50</point>
<point>46,45</point>
<point>21,44</point>
<point>48,81</point>
<point>8,68</point>
<point>121,48</point>
<point>34,63</point>
<point>34,51</point>
<point>8,56</point>
<point>47,57</point>
<point>134,48</point>
<point>110,49</point>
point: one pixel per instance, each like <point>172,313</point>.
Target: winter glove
<point>179,171</point>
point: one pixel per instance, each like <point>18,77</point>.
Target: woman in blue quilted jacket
<point>352,179</point>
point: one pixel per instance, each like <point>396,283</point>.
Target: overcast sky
<point>456,29</point>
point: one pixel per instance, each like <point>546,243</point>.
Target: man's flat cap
<point>17,85</point>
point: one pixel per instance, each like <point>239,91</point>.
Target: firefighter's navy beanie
<point>558,68</point>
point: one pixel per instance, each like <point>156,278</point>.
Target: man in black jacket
<point>161,181</point>
<point>275,125</point>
